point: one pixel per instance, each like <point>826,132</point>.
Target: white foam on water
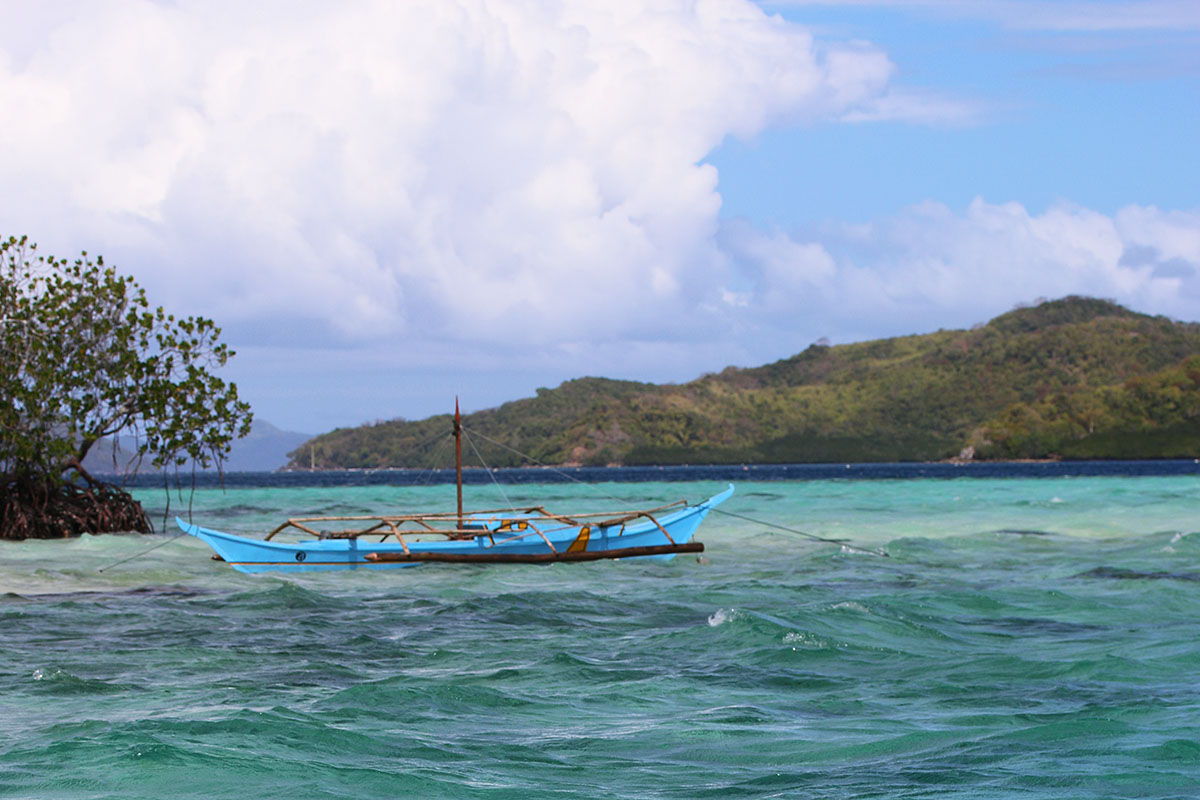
<point>1169,546</point>
<point>850,605</point>
<point>721,616</point>
<point>800,640</point>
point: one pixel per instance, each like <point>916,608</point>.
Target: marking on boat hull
<point>581,541</point>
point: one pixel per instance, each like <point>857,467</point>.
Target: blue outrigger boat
<point>529,536</point>
<point>499,536</point>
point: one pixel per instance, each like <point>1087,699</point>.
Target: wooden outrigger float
<point>531,535</point>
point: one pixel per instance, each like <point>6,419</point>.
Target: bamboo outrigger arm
<point>538,558</point>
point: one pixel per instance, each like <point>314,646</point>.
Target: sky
<point>385,205</point>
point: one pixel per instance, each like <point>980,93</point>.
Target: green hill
<point>997,387</point>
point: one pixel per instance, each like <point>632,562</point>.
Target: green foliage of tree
<point>83,355</point>
<point>1146,416</point>
<point>918,397</point>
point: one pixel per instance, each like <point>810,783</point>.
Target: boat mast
<point>458,459</point>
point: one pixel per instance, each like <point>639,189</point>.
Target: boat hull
<point>663,537</point>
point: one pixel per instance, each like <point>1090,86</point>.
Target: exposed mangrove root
<point>50,509</point>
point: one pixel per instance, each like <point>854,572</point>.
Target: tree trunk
<point>48,508</point>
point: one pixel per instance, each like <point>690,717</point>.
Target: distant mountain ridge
<point>1001,390</point>
<point>266,448</point>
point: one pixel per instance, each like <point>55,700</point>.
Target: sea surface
<point>1020,635</point>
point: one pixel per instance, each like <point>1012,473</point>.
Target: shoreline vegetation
<point>84,358</point>
<point>553,467</point>
<point>1072,379</point>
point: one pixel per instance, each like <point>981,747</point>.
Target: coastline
<point>674,473</point>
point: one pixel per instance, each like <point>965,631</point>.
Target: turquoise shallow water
<point>1026,638</point>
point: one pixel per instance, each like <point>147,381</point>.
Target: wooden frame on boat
<point>521,523</point>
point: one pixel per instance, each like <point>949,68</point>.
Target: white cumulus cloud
<point>436,167</point>
<point>957,267</point>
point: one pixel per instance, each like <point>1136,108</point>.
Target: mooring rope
<point>814,537</point>
<point>139,555</point>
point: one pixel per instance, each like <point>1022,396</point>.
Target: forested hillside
<point>1149,416</point>
<point>1076,377</point>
